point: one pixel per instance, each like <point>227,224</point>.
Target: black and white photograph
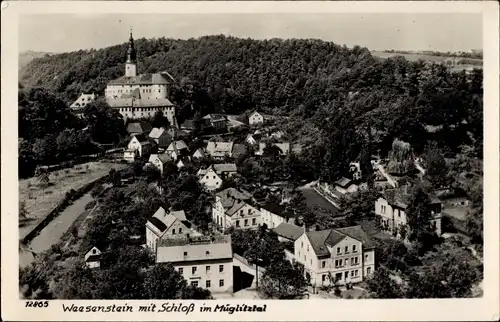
<point>250,156</point>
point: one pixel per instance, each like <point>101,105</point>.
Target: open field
<point>40,201</point>
<point>315,199</point>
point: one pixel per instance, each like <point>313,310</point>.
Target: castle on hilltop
<point>139,96</point>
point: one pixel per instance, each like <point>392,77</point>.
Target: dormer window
<point>207,252</point>
<point>185,253</point>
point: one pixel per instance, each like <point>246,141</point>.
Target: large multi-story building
<point>139,96</point>
<point>205,261</point>
<point>345,255</point>
<point>232,208</point>
<point>392,206</point>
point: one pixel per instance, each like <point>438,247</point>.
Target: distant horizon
<point>61,33</point>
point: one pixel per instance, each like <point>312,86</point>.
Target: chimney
<point>306,228</point>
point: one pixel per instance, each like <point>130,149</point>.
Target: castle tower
<point>131,64</point>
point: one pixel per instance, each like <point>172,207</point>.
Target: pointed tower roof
<point>131,54</point>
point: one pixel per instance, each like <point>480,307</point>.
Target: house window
<point>206,177</point>
<point>221,268</point>
<point>237,223</point>
<point>352,273</point>
<point>346,262</point>
<point>366,257</point>
<point>338,263</point>
<point>214,177</point>
<point>254,221</point>
<point>307,247</point>
<point>241,212</point>
<point>246,222</point>
<point>173,231</point>
<point>382,208</point>
<point>354,248</point>
<point>311,261</point>
<point>368,270</point>
<point>323,264</point>
<point>338,250</point>
<point>181,270</point>
<point>193,270</point>
<point>323,278</point>
<point>347,249</point>
<point>207,284</point>
<point>180,230</point>
<point>346,275</point>
<point>356,273</point>
<point>221,283</point>
<point>207,268</point>
<point>207,252</point>
<point>338,276</point>
<point>194,283</point>
<point>185,253</point>
<point>301,244</point>
<point>354,261</point>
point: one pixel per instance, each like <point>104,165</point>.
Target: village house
<point>344,186</point>
<point>93,258</point>
<point>167,224</point>
<point>216,121</point>
<point>355,170</point>
<point>161,137</point>
<point>219,150</point>
<point>187,125</point>
<point>141,127</point>
<point>251,139</point>
<point>177,149</point>
<point>273,215</point>
<point>138,146</point>
<point>159,160</point>
<point>255,118</point>
<point>232,208</point>
<point>198,154</point>
<point>213,176</point>
<point>392,206</point>
<point>282,148</point>
<point>82,101</point>
<point>342,255</point>
<point>204,261</point>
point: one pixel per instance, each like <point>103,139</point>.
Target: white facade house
<point>213,176</point>
<point>273,215</point>
<point>345,255</point>
<point>93,258</point>
<point>220,150</point>
<point>166,225</point>
<point>137,96</point>
<point>161,137</point>
<point>198,154</point>
<point>139,144</point>
<point>83,100</point>
<point>255,118</point>
<point>205,261</point>
<point>159,160</point>
<point>392,207</point>
<point>232,209</point>
<point>176,149</point>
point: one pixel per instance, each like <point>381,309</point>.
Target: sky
<point>383,31</point>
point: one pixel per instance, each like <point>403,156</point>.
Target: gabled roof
<point>233,199</point>
<point>94,254</point>
<point>162,220</point>
<point>331,237</point>
<point>141,138</point>
<point>143,79</point>
<point>139,127</point>
<point>188,124</point>
<point>164,157</point>
<point>224,167</point>
<point>219,147</point>
<point>156,132</point>
<point>179,145</point>
<point>215,117</point>
<point>344,182</point>
<point>289,231</point>
<point>278,210</point>
<point>199,151</point>
<point>398,197</point>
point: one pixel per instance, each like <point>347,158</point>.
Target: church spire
<point>131,55</point>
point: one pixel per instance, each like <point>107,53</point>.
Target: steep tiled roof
<point>219,148</point>
<point>278,210</point>
<point>156,132</point>
<point>162,219</point>
<point>238,150</point>
<point>233,199</point>
<point>139,127</point>
<point>164,158</point>
<point>319,239</point>
<point>289,231</point>
<point>143,79</point>
<point>141,138</point>
<point>224,167</point>
<point>180,145</point>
